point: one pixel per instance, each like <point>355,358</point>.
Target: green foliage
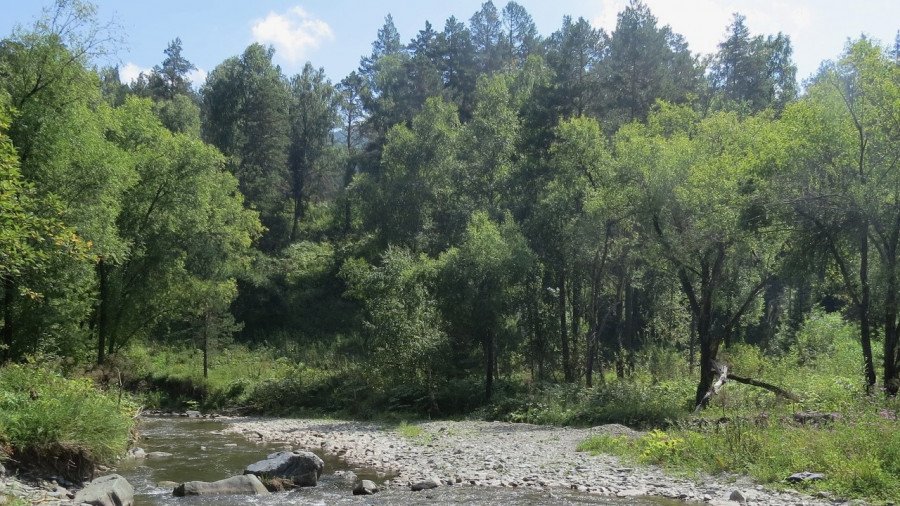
<point>820,336</point>
<point>858,456</point>
<point>407,338</point>
<point>629,403</point>
<point>40,410</point>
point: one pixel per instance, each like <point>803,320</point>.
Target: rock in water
<point>302,468</point>
<point>158,455</point>
<point>136,453</point>
<point>109,490</point>
<point>247,484</point>
<point>365,487</point>
<point>425,484</point>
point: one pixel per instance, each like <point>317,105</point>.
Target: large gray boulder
<point>109,490</point>
<point>236,485</point>
<point>301,468</point>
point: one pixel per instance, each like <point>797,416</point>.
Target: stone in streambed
<point>365,487</point>
<point>247,484</point>
<point>158,455</point>
<point>425,484</point>
<point>737,496</point>
<point>136,453</point>
<point>300,467</point>
<point>110,490</point>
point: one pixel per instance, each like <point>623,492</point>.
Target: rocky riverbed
<point>34,491</point>
<point>494,454</point>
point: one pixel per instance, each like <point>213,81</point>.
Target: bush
<point>46,417</point>
<point>820,334</point>
<point>634,404</point>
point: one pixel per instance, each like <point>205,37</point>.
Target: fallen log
<point>768,386</point>
<point>724,376</point>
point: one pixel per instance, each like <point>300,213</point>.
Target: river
<point>203,450</point>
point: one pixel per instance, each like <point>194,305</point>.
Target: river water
<point>202,450</point>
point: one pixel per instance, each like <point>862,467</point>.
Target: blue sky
<point>335,33</point>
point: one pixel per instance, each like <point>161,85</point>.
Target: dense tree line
<point>476,204</point>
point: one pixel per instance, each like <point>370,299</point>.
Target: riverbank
<point>15,491</point>
<point>501,454</point>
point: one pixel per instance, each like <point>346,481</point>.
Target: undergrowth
<point>47,420</point>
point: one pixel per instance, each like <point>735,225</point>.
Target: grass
<point>10,500</point>
<point>414,432</point>
<point>860,457</point>
<point>749,431</point>
<point>65,425</point>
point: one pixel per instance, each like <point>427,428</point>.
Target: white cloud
<point>293,33</point>
<point>129,72</point>
<point>197,77</point>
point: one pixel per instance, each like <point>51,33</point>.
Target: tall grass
<point>44,415</point>
<point>748,430</point>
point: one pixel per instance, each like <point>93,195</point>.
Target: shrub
<point>46,417</point>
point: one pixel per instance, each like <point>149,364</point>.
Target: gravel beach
<point>499,454</point>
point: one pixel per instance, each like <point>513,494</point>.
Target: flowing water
<point>202,450</point>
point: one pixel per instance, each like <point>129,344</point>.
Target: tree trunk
<point>206,346</point>
<point>488,344</point>
<point>102,312</point>
<point>865,331</point>
<point>349,172</point>
<point>891,376</point>
<point>709,345</point>
<point>298,215</point>
<point>620,328</point>
<point>692,344</point>
<point>9,292</point>
<point>708,352</point>
<point>576,320</point>
<point>563,328</point>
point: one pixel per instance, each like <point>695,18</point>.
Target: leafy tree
<point>520,36</point>
<point>188,231</point>
<point>645,63</point>
<point>408,204</point>
<point>60,134</point>
<point>245,110</point>
<point>351,91</point>
<point>843,183</point>
<point>31,234</point>
<point>313,114</point>
<point>170,79</point>
<point>478,277</point>
<point>405,329</point>
<point>487,36</point>
<point>754,71</point>
<point>704,186</point>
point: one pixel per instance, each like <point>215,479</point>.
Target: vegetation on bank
<point>67,426</point>
<point>853,439</point>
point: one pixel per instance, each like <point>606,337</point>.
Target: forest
<point>567,228</point>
